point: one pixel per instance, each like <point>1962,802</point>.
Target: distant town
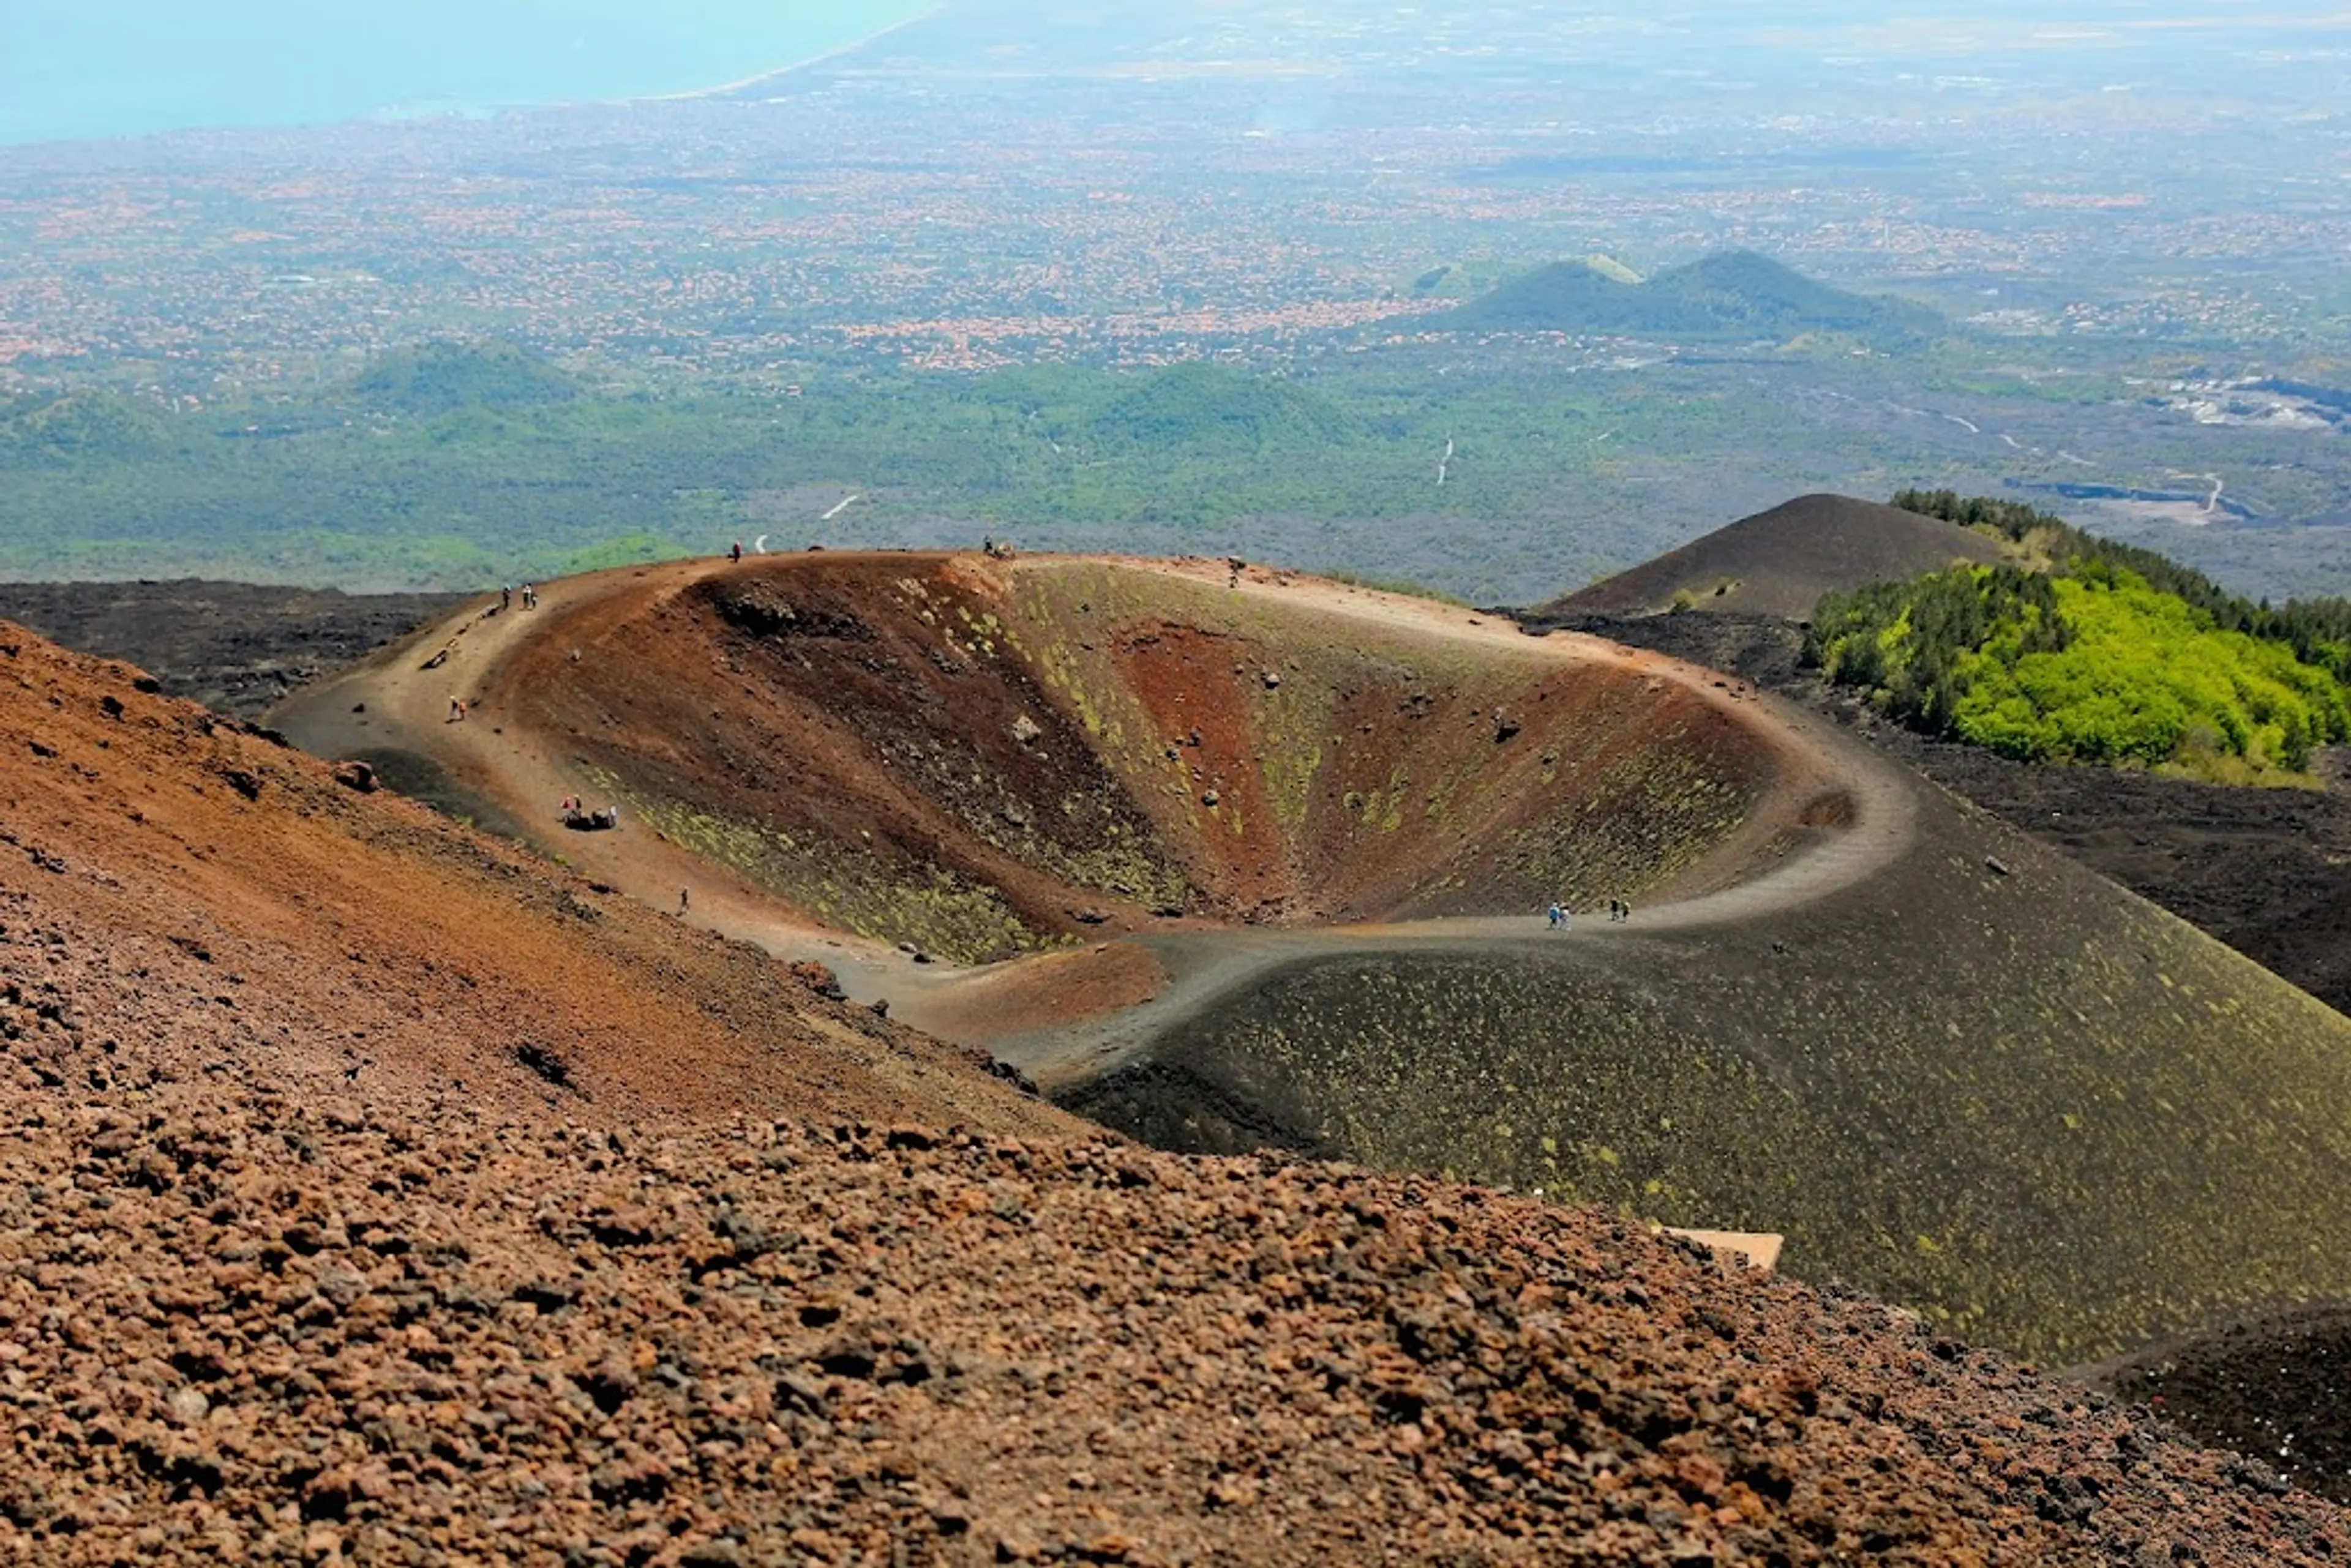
<point>2144,318</point>
<point>1141,201</point>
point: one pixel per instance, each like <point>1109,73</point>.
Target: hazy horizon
<point>118,68</point>
<point>136,68</point>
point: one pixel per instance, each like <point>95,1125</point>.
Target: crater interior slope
<point>987,759</point>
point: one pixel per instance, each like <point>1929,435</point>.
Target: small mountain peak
<point>1779,562</point>
<point>445,373</point>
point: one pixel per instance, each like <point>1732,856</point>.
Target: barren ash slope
<point>1278,851</point>
<point>243,910</point>
<point>1779,562</point>
<point>696,1308</point>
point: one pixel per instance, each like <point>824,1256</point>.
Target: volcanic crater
<point>1226,858</point>
<point>985,759</point>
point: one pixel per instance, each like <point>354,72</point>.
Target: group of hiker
<point>579,819</point>
<point>506,596</point>
<point>1561,918</point>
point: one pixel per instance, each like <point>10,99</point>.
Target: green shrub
<point>2098,666</point>
<point>2318,631</point>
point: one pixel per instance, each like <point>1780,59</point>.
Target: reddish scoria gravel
<point>248,1330</point>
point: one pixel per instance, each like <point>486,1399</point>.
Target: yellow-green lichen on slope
<point>2033,1107</point>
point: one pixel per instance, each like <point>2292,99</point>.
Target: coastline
<point>29,133</point>
<point>744,84</point>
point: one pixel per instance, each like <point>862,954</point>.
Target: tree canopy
<point>2091,659</point>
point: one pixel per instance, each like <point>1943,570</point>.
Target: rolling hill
<point>1780,562</point>
<point>446,374</point>
<point>83,425</point>
<point>1729,295</point>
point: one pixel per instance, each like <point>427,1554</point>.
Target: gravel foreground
<point>271,1292</point>
<point>246,1331</point>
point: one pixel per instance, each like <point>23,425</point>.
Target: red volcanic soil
<point>300,1263</point>
<point>990,1004</point>
<point>1522,749</point>
<point>881,760</point>
<point>983,758</point>
<point>1779,562</point>
<point>223,904</point>
<point>252,1330</point>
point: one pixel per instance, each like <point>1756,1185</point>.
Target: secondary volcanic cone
<point>1311,832</point>
<point>1780,562</point>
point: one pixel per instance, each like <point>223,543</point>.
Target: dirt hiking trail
<point>401,704</point>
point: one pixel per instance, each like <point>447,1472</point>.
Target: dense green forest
<point>1502,472</point>
<point>2319,630</point>
<point>2093,653</point>
<point>452,465</point>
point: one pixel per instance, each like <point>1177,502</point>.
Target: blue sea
<point>83,69</point>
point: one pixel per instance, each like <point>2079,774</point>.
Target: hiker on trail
<point>456,709</point>
<point>684,899</point>
<point>506,596</point>
<point>737,553</point>
<point>529,597</point>
<point>1557,915</point>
